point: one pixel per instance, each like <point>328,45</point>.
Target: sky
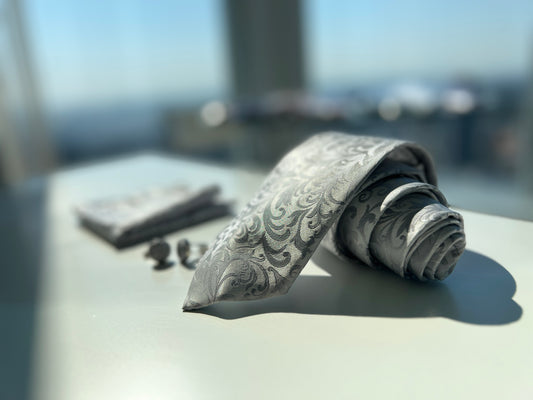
<point>112,51</point>
<point>106,51</point>
<point>372,40</point>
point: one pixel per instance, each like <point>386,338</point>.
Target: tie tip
<point>191,305</point>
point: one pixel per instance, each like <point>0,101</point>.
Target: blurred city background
<point>242,82</point>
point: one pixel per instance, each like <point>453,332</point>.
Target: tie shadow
<point>480,291</point>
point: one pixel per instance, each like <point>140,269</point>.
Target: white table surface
<point>106,325</point>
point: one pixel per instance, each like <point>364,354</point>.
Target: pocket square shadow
<point>480,291</point>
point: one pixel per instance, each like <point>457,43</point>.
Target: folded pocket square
<point>365,198</point>
<point>127,220</point>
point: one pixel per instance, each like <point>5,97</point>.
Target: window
<point>453,76</point>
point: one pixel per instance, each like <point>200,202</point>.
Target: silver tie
<point>365,198</point>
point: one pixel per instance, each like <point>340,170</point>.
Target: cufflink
<point>189,254</point>
<point>158,251</point>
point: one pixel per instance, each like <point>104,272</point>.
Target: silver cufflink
<point>158,251</point>
<point>189,254</point>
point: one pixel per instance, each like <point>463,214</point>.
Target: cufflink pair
<point>188,254</point>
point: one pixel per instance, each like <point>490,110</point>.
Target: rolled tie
<point>364,198</point>
<point>402,224</point>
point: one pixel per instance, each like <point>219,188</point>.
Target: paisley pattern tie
<point>364,198</point>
